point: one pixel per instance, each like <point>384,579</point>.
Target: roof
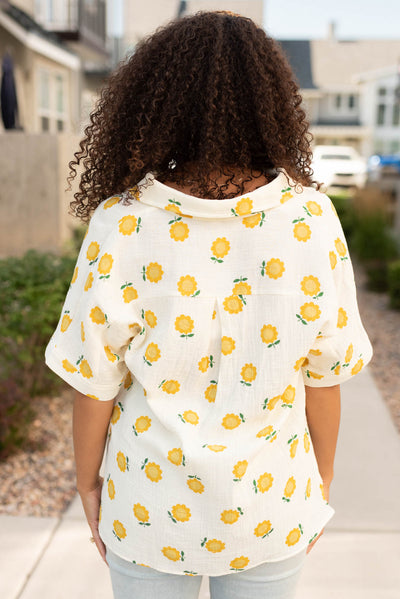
<point>299,54</point>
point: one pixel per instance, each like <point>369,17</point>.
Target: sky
<point>355,19</point>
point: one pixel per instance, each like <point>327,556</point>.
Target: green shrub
<point>347,215</point>
<point>394,284</point>
<point>16,414</point>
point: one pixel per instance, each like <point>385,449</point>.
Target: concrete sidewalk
<point>358,556</point>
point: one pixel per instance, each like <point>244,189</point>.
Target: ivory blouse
<point>205,319</point>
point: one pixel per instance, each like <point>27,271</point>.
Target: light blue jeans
<point>271,580</point>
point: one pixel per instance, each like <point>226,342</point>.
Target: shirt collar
<point>263,198</point>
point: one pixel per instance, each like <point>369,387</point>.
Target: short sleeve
<point>342,348</point>
<point>88,346</point>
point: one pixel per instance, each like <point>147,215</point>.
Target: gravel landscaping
<point>40,480</point>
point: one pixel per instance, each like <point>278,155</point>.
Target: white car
<point>339,166</point>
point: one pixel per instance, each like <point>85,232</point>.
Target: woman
<point>211,318</point>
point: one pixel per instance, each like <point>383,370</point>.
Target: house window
<point>396,114</point>
<point>338,100</point>
<point>381,114</point>
<point>52,111</point>
<point>382,91</point>
<point>352,101</point>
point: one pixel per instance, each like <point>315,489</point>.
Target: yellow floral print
<point>194,483</point>
<point>89,281</point>
<point>153,272</point>
<point>321,488</point>
<point>310,285</point>
<point>110,355</point>
<point>230,516</point>
<point>242,288</point>
<point>119,530</point>
<point>184,324</point>
<point>357,367</point>
<point>289,489</point>
<point>243,207</point>
<point>263,529</point>
<point>111,489</point>
<point>340,247</point>
<point>172,553</point>
<point>248,373</point>
<point>264,482</point>
<point>122,461</point>
<point>214,545</point>
<point>173,208</point>
<point>294,536</point>
<point>97,315</point>
<point>116,413</point>
<point>85,369</point>
<point>274,268</point>
<point>142,424</point>
<point>111,202</point>
<point>93,251</point>
<point>333,260</point>
<point>211,392</point>
<point>227,345</point>
<point>203,364</point>
<point>75,275</point>
<point>214,314</point>
<point>65,322</point>
<point>253,220</point>
<point>175,456</point>
<point>150,318</point>
<point>239,469</point>
<point>190,416</point>
<point>216,448</point>
<point>179,231</point>
<point>268,432</point>
<point>269,335</point>
<point>187,285</point>
<point>153,472</point>
<point>82,332</point>
<point>220,247</point>
<point>129,294</point>
<point>105,264</point>
<point>141,512</point>
<point>127,224</point>
<point>300,362</point>
<point>180,512</point>
<point>152,354</point>
<point>306,442</point>
<point>128,381</point>
<point>288,396</point>
<point>271,403</point>
<point>231,421</point>
<point>308,488</point>
<point>342,318</point>
<point>302,231</point>
<point>170,386</point>
<point>310,312</point>
<point>314,208</point>
<point>286,196</point>
<point>239,562</point>
<point>315,352</point>
<point>233,304</point>
<point>349,353</point>
<point>293,446</point>
<point>68,366</point>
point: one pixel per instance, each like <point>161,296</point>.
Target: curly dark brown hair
<point>207,92</point>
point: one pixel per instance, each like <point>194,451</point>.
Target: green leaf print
<point>298,220</point>
<point>262,267</point>
<point>301,319</point>
<point>144,273</point>
<point>126,285</point>
<point>312,538</point>
<point>175,202</point>
<point>215,260</point>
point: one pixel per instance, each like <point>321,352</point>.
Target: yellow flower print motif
<point>341,248</point>
<point>82,332</point>
<point>357,367</point>
<point>264,483</point>
<point>97,315</point>
<point>152,354</point>
<point>65,322</point>
<point>142,514</point>
<point>299,363</point>
<point>179,231</point>
<point>220,247</point>
<point>241,288</point>
<point>187,285</point>
<point>216,448</point>
<point>194,483</point>
<point>243,207</point>
<point>153,471</point>
<point>267,432</point>
<point>111,202</point>
<point>170,386</point>
<point>349,353</point>
<point>92,396</point>
<point>274,268</point>
<point>68,366</point>
<point>173,208</point>
<point>269,335</point>
<point>302,231</point>
<point>213,545</point>
<point>129,224</point>
<point>231,421</point>
<point>205,363</point>
<point>314,208</point>
<point>84,368</point>
<point>248,373</point>
<point>176,456</point>
<point>239,470</point>
<point>172,553</point>
<point>116,413</point>
<point>231,516</point>
<point>286,195</point>
<point>306,442</point>
<point>239,563</point>
<point>75,275</point>
<point>128,381</point>
<point>227,345</point>
<point>89,282</point>
<point>111,488</point>
<point>214,314</point>
<point>294,536</point>
<point>342,318</point>
<point>119,530</point>
<point>150,318</point>
<point>110,355</point>
<point>293,442</point>
<point>211,391</point>
<point>105,265</point>
<point>233,304</point>
<point>308,489</point>
<point>184,325</point>
<point>93,252</point>
<point>288,396</point>
<point>314,375</point>
<point>321,488</point>
<point>309,312</point>
<point>179,513</point>
<point>311,286</point>
<point>122,461</point>
<point>263,529</point>
<point>129,293</point>
<point>152,272</point>
<point>336,368</point>
<point>270,403</point>
<point>315,352</point>
<point>289,489</point>
<point>142,424</point>
<point>190,417</point>
<point>332,259</point>
<point>254,220</point>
